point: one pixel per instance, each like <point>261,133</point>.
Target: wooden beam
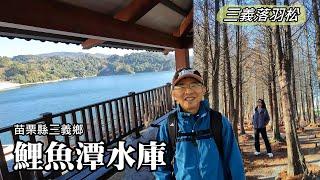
<point>41,36</point>
<point>138,8</point>
<point>12,33</point>
<point>174,7</point>
<point>135,10</point>
<point>131,13</point>
<point>187,42</point>
<point>182,58</point>
<point>185,26</point>
<point>64,19</point>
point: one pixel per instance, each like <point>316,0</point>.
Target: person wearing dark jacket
<point>260,121</point>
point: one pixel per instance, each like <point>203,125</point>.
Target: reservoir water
<point>28,102</point>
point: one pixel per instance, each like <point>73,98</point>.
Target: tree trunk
<point>276,123</point>
<point>280,106</point>
<point>237,97</point>
<point>317,28</point>
<point>306,94</point>
<point>229,79</point>
<point>318,105</point>
<point>205,47</point>
<point>291,74</point>
<point>225,89</point>
<point>216,60</point>
<point>270,98</point>
<point>242,131</point>
<point>311,99</point>
<point>293,80</point>
<point>303,115</point>
<point>296,161</point>
<point>274,99</point>
<point>315,7</point>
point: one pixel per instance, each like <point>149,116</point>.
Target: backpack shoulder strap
<point>172,129</point>
<point>216,126</point>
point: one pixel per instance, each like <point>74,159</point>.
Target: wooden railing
<point>108,121</point>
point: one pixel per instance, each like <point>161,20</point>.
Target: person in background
<point>196,153</point>
<point>260,121</point>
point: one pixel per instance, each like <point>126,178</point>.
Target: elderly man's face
<point>188,93</point>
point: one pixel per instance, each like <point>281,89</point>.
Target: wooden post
<point>146,107</point>
<point>161,98</point>
<point>98,118</point>
<point>169,98</point>
<point>112,121</point>
<point>64,121</point>
<point>118,116</point>
<point>106,122</point>
<point>143,110</point>
<point>150,105</point>
<point>74,121</point>
<point>47,118</point>
<point>134,113</point>
<point>92,125</point>
<point>34,174</point>
<point>139,110</point>
<point>85,124</point>
<point>127,112</point>
<point>123,121</point>
<point>182,58</point>
<point>4,172</point>
<point>20,173</point>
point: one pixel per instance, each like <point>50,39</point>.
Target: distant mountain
<point>24,58</point>
<point>138,62</point>
<point>39,57</point>
<point>74,55</point>
<point>61,65</point>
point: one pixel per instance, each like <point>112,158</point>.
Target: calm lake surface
<point>26,103</point>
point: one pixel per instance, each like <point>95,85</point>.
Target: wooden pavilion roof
<point>156,25</point>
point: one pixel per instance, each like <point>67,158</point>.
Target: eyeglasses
<point>192,86</point>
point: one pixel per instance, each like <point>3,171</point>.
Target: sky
<point>14,47</point>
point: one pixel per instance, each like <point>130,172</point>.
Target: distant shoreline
<point>7,85</point>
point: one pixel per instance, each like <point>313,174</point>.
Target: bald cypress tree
<point>296,161</point>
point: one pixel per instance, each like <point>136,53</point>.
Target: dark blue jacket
<point>260,120</point>
<point>201,161</point>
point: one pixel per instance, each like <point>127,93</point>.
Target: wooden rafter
<point>138,8</point>
<point>185,26</point>
<point>59,18</point>
<point>174,7</point>
<point>131,13</point>
<point>135,10</point>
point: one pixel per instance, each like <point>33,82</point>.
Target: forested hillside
<point>54,66</point>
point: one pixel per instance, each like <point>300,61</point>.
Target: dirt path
<point>263,167</point>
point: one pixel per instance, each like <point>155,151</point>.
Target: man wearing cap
<point>197,156</point>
